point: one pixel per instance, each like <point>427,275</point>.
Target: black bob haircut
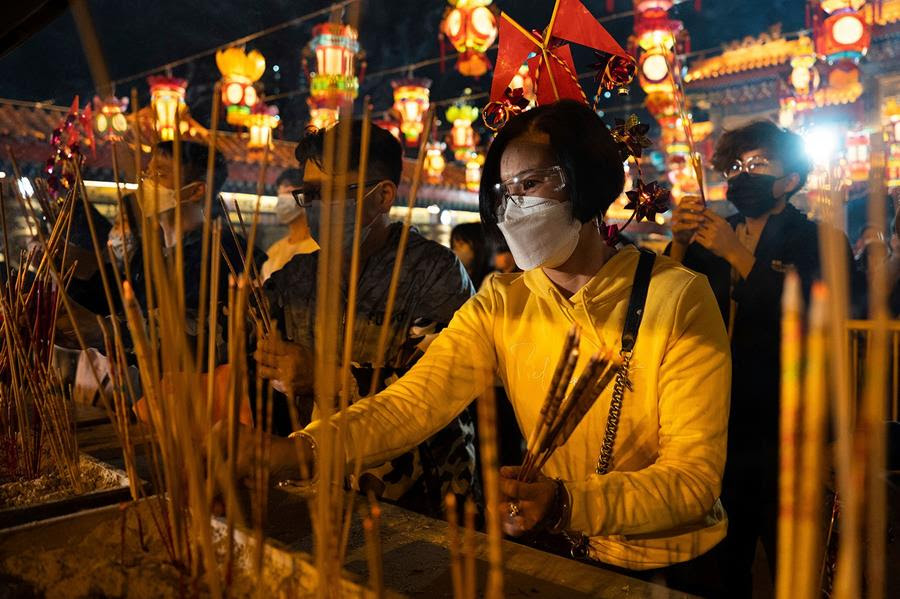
<point>194,159</point>
<point>583,147</point>
<point>289,176</point>
<point>385,152</point>
<point>777,143</point>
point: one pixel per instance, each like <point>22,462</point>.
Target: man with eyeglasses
<point>433,285</point>
<point>745,257</point>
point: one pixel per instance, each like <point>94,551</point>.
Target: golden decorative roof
<point>769,49</point>
<point>890,13</point>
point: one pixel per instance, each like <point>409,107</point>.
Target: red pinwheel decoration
<point>66,147</point>
<point>631,136</point>
<point>647,200</point>
<point>550,59</point>
<point>613,71</point>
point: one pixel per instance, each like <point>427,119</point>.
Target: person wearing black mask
<point>745,257</point>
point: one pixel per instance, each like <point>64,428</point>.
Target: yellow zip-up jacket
<point>659,504</point>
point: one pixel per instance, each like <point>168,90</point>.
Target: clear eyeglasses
<point>532,182</point>
<point>312,192</point>
<point>754,165</point>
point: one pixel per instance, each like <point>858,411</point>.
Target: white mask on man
<point>286,209</point>
<point>539,232</point>
<point>164,196</point>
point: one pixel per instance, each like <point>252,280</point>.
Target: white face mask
<point>120,245</point>
<point>539,232</point>
<point>163,196</point>
<point>286,209</point>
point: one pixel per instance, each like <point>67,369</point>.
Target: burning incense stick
<point>791,367</point>
<point>470,580</point>
<point>560,422</point>
<point>456,569</point>
<point>807,560</point>
<point>487,430</point>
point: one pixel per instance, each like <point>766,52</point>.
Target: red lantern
<point>471,28</point>
<point>167,101</point>
<point>334,81</point>
<point>844,35</point>
<point>239,71</point>
<point>411,102</point>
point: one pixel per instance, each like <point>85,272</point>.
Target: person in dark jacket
<point>745,258</point>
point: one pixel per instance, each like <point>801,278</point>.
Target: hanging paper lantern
<point>473,170</point>
<point>320,116</point>
<point>109,117</point>
<point>471,28</point>
<point>167,101</point>
<point>844,35</point>
<point>434,164</point>
<point>462,135</point>
<point>334,81</point>
<point>240,70</point>
<point>260,123</point>
<point>411,103</point>
<point>858,155</point>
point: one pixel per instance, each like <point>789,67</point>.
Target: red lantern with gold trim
<point>471,28</point>
<point>167,101</point>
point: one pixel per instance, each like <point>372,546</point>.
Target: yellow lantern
<point>167,102</point>
<point>109,117</point>
<point>434,162</point>
<point>462,135</point>
<point>239,71</point>
<point>473,170</point>
<point>260,123</point>
<point>411,102</point>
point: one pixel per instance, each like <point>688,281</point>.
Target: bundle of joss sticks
<point>561,413</point>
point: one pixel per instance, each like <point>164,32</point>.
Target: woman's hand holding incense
<point>286,364</point>
<point>525,506</point>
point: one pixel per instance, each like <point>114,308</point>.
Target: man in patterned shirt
<point>433,285</point>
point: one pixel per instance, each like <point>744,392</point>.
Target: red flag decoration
<point>547,54</point>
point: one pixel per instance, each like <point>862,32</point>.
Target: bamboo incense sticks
<point>456,567</point>
<point>558,419</point>
<point>487,431</point>
<point>791,373</point>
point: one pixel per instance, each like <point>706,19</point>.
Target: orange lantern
<point>260,123</point>
<point>858,155</point>
<point>334,81</point>
<point>109,117</point>
<point>471,28</point>
<point>434,162</point>
<point>411,102</point>
<point>322,117</point>
<point>239,72</point>
<point>167,102</point>
<point>462,135</point>
<point>473,170</point>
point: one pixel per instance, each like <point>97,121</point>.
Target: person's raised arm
<point>458,366</point>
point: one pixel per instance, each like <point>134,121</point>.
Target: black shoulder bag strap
<point>580,543</point>
<point>629,336</point>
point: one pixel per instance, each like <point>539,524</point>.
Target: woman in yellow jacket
<point>548,179</point>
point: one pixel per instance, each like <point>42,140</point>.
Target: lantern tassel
<point>698,5</point>
<point>443,44</point>
<point>808,17</point>
<point>610,5</point>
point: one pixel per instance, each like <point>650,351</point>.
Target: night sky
<point>137,35</point>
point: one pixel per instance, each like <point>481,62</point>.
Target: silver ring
<point>513,509</point>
